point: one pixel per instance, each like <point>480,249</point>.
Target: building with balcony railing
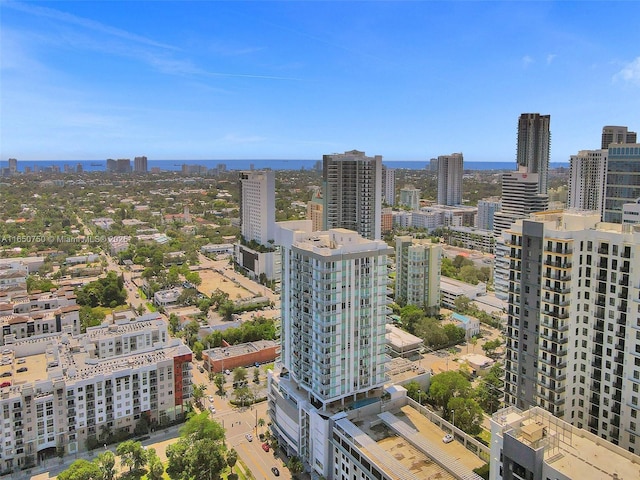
<point>66,392</point>
<point>334,311</point>
<point>573,328</point>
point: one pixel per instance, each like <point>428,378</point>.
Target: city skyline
<point>287,80</point>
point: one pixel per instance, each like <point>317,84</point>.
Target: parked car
<point>227,372</point>
<point>5,384</point>
<point>22,369</point>
<point>448,438</point>
<point>275,471</point>
<point>265,447</point>
<point>249,437</point>
<point>6,374</point>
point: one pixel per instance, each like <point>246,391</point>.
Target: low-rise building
<point>243,355</point>
<point>165,298</point>
<point>452,289</point>
<point>401,343</point>
<point>470,325</point>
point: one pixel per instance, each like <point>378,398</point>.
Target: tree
<point>174,323</point>
<point>198,393</point>
<point>295,465</point>
<point>261,422</point>
<point>81,470</point>
<point>219,382</point>
<point>489,391</point>
<point>35,282</point>
<point>232,458</point>
<point>200,452</point>
<point>454,334</point>
<point>193,277</point>
<point>447,385</point>
<point>107,462</point>
<point>132,454</point>
<point>156,469</point>
<point>90,317</point>
<point>198,347</point>
<point>256,375</point>
<point>462,304</point>
<point>227,308</point>
<point>491,346</point>
<point>243,395</point>
<point>239,375</point>
<point>467,414</point>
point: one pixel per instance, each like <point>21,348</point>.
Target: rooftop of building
<point>570,450</point>
<point>400,338</point>
<point>220,353</point>
<point>407,446</point>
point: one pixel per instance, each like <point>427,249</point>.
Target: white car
<point>212,409</point>
<point>211,398</point>
<point>249,437</point>
<point>448,438</point>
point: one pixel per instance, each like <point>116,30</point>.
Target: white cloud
<point>550,58</point>
<point>630,73</point>
<point>527,60</point>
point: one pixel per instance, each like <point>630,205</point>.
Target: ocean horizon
<point>247,164</point>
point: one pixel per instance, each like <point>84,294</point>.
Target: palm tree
<point>232,458</point>
<point>261,423</point>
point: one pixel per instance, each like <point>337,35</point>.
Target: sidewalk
<point>51,467</point>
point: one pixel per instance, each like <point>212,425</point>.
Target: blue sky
<point>296,80</point>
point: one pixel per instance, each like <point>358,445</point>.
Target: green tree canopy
<point>81,470</point>
<point>466,413</point>
<point>132,454</point>
<point>446,386</point>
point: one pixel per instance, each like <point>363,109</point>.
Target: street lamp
<point>420,396</point>
<point>453,417</point>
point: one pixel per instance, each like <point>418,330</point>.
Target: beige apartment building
<point>70,392</point>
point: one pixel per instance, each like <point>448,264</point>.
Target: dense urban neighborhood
<point>401,323</point>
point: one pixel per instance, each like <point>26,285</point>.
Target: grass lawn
<point>485,435</point>
<point>151,307</point>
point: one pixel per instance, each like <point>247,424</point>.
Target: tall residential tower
<point>450,170</point>
<point>353,193</point>
<point>534,142</point>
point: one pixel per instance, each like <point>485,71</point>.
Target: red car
<point>265,447</point>
<point>5,384</point>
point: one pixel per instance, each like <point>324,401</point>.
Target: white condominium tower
<point>534,142</point>
<point>334,312</point>
<point>587,179</point>
<point>257,205</point>
<point>450,170</point>
<point>418,272</point>
<point>334,306</point>
<point>573,325</point>
<point>353,193</point>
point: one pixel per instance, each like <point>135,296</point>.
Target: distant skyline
<point>295,80</point>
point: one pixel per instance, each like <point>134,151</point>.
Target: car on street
<point>275,471</point>
<point>249,437</point>
<point>265,447</point>
<point>201,369</point>
<point>211,398</point>
<point>448,438</point>
<point>213,410</point>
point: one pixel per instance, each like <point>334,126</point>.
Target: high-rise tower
<point>534,141</point>
<point>622,181</point>
<point>257,205</point>
<point>450,171</point>
<point>616,135</point>
<point>334,312</point>
<point>353,193</point>
<point>572,324</point>
<point>418,272</point>
<point>587,173</point>
<point>389,185</point>
<point>140,164</point>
